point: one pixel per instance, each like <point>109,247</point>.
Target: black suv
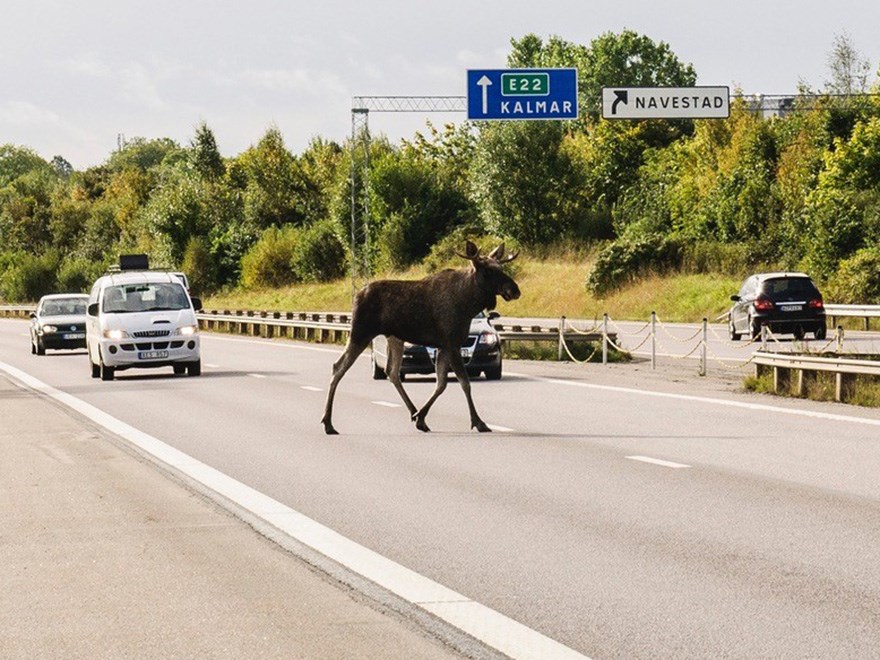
<point>785,302</point>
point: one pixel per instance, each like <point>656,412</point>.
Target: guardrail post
<point>561,338</point>
<point>605,339</point>
<point>839,339</point>
<point>704,341</point>
<point>653,340</point>
<point>764,331</point>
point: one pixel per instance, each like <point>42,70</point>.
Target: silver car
<point>59,322</point>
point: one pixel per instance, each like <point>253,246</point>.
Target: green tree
<point>205,155</point>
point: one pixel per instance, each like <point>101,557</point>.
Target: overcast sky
<point>75,74</point>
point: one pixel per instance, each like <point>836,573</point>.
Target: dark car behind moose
<point>787,303</point>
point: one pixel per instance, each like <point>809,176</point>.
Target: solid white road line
<point>490,627</point>
<point>834,417</point>
<point>657,461</point>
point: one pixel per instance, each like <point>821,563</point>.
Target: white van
<point>141,319</point>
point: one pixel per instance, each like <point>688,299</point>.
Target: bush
<point>268,262</point>
<point>78,275</point>
<point>319,253</point>
<point>198,264</point>
<point>857,280</point>
<point>627,259</point>
<point>29,277</point>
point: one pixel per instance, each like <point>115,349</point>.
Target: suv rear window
<point>789,286</point>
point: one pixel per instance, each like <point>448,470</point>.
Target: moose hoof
<point>481,427</point>
<point>329,430</point>
<point>420,424</point>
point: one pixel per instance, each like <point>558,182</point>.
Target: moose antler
<point>498,255</point>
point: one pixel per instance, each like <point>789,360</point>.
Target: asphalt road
<point>623,512</point>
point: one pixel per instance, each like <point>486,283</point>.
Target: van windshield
<point>154,297</point>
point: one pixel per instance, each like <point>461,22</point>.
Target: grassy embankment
<point>550,288</point>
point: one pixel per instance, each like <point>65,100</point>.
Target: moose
<point>435,311</point>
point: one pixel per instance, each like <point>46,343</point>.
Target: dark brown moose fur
<point>435,311</point>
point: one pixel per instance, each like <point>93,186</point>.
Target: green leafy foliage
<point>319,253</point>
<point>269,263</point>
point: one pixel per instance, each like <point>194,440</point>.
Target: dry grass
<point>550,288</point>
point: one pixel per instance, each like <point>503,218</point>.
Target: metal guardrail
<point>783,365</point>
<point>334,327</point>
<point>866,312</point>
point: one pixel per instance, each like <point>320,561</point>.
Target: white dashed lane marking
<point>310,388</point>
<point>657,461</point>
<point>387,404</point>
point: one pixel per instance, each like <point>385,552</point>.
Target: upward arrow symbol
<point>484,82</point>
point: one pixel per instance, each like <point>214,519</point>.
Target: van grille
<point>152,333</point>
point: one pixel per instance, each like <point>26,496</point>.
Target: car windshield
<point>64,307</point>
<point>159,296</point>
<point>789,286</point>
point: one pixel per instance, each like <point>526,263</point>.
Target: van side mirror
<point>735,298</point>
<point>197,304</point>
<point>494,315</point>
<point>33,315</point>
<point>92,309</point>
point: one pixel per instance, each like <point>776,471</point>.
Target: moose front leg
<point>395,359</point>
<point>463,380</point>
<point>442,369</point>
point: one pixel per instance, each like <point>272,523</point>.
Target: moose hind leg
<point>442,369</point>
<point>343,364</point>
<point>463,380</point>
<point>395,359</point>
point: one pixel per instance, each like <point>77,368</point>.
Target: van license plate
<point>74,335</point>
<point>791,308</point>
<point>152,355</point>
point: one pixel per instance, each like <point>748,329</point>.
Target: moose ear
<point>471,251</point>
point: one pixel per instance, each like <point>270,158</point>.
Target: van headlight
<point>187,330</point>
<point>49,329</point>
<point>115,334</point>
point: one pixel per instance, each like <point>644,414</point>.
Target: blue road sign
<point>522,94</point>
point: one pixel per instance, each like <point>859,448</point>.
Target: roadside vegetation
<point>617,217</point>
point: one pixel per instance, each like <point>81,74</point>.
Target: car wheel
<point>755,327</point>
<point>179,369</point>
<point>494,373</point>
<point>734,335</point>
<point>798,332</point>
<point>33,347</point>
<point>41,350</point>
<point>821,332</point>
<point>194,368</point>
<point>107,373</point>
<point>378,372</point>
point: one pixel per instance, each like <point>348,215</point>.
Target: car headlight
<point>49,329</point>
<point>115,334</point>
<point>488,339</point>
<point>187,330</point>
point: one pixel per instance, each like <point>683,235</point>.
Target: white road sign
<point>665,102</point>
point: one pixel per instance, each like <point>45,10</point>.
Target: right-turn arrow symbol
<point>620,95</point>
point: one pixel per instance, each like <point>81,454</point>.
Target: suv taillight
<point>763,304</point>
<point>816,303</point>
